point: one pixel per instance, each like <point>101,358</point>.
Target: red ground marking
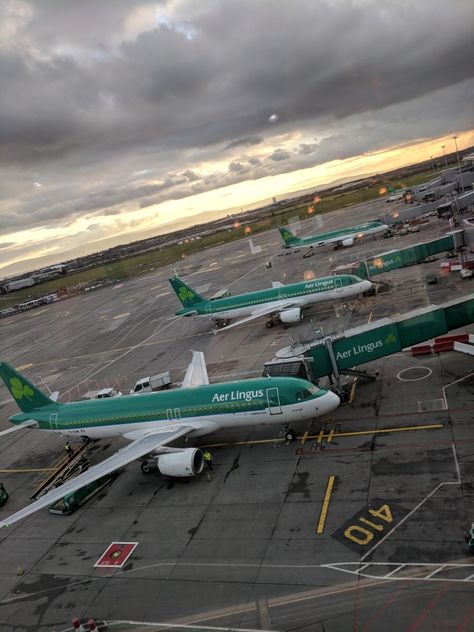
<point>383,607</point>
<point>428,609</point>
<point>465,620</point>
<point>116,554</point>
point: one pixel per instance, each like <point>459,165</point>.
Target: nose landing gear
<point>290,434</point>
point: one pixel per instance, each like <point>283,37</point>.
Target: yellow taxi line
<point>325,507</point>
<point>320,436</point>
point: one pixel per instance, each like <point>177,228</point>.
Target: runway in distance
<point>153,421</point>
<point>344,237</point>
<point>284,301</point>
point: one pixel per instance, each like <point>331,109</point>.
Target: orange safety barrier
<point>448,345</point>
<point>421,350</point>
<point>453,338</point>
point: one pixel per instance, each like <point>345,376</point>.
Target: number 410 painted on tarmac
<point>364,536</point>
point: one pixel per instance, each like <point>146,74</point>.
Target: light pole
<point>432,165</point>
<point>459,163</point>
<point>444,154</point>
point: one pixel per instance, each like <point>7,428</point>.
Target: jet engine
<point>291,315</point>
<point>347,243</point>
<point>188,462</point>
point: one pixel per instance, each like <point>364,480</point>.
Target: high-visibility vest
<point>207,456</point>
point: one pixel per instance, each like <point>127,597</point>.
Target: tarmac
<point>358,525</point>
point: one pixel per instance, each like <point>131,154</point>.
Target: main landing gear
<point>290,434</point>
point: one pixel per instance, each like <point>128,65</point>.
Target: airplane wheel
<point>269,324</point>
<point>290,435</point>
<point>145,468</point>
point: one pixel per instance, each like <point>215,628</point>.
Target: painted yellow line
<point>336,434</point>
<point>353,390</point>
<point>122,315</point>
<point>304,437</point>
<point>320,436</point>
<point>330,435</point>
<point>32,469</point>
<point>324,508</point>
<point>370,318</point>
<point>385,430</point>
<point>23,367</point>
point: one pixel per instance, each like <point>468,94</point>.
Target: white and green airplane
<point>284,301</point>
<point>153,421</point>
<point>343,237</point>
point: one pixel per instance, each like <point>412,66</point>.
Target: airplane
<point>153,421</point>
<point>343,237</point>
<point>284,301</point>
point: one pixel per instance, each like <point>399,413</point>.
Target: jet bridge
<point>393,259</point>
<point>333,354</point>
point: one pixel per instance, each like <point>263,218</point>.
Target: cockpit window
<point>313,390</point>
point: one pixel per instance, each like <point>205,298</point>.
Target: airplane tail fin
<point>186,295</point>
<point>288,237</point>
<point>24,392</point>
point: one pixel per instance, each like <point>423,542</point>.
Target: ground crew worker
<point>67,447</point>
<point>3,494</point>
<point>208,459</point>
<point>469,537</point>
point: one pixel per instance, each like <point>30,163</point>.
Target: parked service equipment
<point>156,382</point>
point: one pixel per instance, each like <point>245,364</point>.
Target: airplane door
<point>173,415</point>
<point>273,399</point>
<point>53,422</point>
<point>338,283</point>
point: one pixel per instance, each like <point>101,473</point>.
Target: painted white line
<point>409,514</point>
<point>437,570</point>
<point>395,570</point>
<point>415,379</point>
<point>446,386</point>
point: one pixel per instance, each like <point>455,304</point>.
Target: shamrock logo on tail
<point>185,294</point>
<point>390,338</point>
<point>20,390</point>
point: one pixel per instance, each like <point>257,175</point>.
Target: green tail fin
<point>25,394</point>
<point>288,236</point>
<point>186,295</point>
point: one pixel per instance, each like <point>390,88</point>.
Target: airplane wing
<point>196,373</point>
<point>262,311</point>
<point>31,423</point>
<point>151,442</point>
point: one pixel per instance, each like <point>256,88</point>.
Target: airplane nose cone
<point>331,401</point>
<point>367,285</point>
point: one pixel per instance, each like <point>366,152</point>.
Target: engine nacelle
<point>348,243</point>
<point>189,462</point>
<point>291,315</point>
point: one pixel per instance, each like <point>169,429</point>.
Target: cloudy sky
<point>120,116</point>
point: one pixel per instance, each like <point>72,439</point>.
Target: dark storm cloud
<point>279,155</point>
<point>245,142</point>
<point>90,106</point>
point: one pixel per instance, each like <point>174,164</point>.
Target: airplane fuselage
<point>338,236</point>
<point>207,408</point>
<point>300,294</point>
